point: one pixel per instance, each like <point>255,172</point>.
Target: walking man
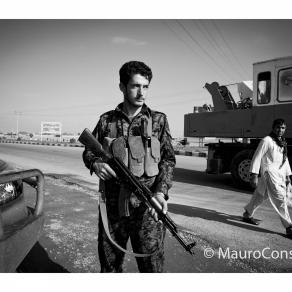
<point>270,160</point>
<point>140,137</point>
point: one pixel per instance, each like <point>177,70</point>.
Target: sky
<point>67,70</point>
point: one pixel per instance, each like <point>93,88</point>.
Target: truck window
<point>285,85</point>
<point>264,88</point>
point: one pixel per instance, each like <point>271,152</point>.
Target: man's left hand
<point>163,203</point>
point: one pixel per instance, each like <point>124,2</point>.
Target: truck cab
<point>273,95</point>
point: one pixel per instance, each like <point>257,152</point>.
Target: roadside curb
<point>190,153</point>
<point>177,152</point>
<point>42,143</point>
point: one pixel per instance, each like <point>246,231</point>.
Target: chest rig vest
<point>141,154</point>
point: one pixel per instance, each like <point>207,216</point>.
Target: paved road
<point>208,206</point>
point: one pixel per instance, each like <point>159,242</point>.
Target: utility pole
<point>18,114</point>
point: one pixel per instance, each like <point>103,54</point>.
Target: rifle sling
<point>103,213</point>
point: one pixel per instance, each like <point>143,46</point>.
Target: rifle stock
<point>142,192</point>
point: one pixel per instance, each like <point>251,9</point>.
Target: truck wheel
<point>240,168</point>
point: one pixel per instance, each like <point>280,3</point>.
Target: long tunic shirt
<point>268,158</point>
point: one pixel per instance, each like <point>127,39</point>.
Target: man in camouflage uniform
<point>127,216</point>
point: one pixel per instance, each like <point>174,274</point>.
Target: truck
<point>239,126</point>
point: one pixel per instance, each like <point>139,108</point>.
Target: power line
<point>186,43</point>
<point>202,48</point>
<point>216,46</point>
<point>229,48</point>
<point>178,36</point>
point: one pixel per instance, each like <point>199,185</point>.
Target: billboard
<point>51,130</point>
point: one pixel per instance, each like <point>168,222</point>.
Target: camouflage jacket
<point>160,129</point>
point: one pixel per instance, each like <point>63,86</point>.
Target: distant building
<point>65,137</point>
<point>51,131</point>
<point>10,135</point>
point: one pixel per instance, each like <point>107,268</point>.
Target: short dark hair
<point>134,67</point>
<point>277,122</point>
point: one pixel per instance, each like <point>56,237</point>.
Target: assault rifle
<point>141,191</point>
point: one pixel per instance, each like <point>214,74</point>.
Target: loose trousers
<point>271,187</point>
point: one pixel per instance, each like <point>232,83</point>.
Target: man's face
<point>136,90</point>
<point>279,130</point>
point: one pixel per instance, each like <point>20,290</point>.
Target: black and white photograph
<point>153,145</point>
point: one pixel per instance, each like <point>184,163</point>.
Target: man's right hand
<point>103,171</point>
<point>254,180</point>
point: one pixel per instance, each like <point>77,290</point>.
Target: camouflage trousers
<point>145,235</point>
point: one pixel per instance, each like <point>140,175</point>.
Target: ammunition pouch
<point>152,157</point>
<point>119,149</point>
<point>137,155</point>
